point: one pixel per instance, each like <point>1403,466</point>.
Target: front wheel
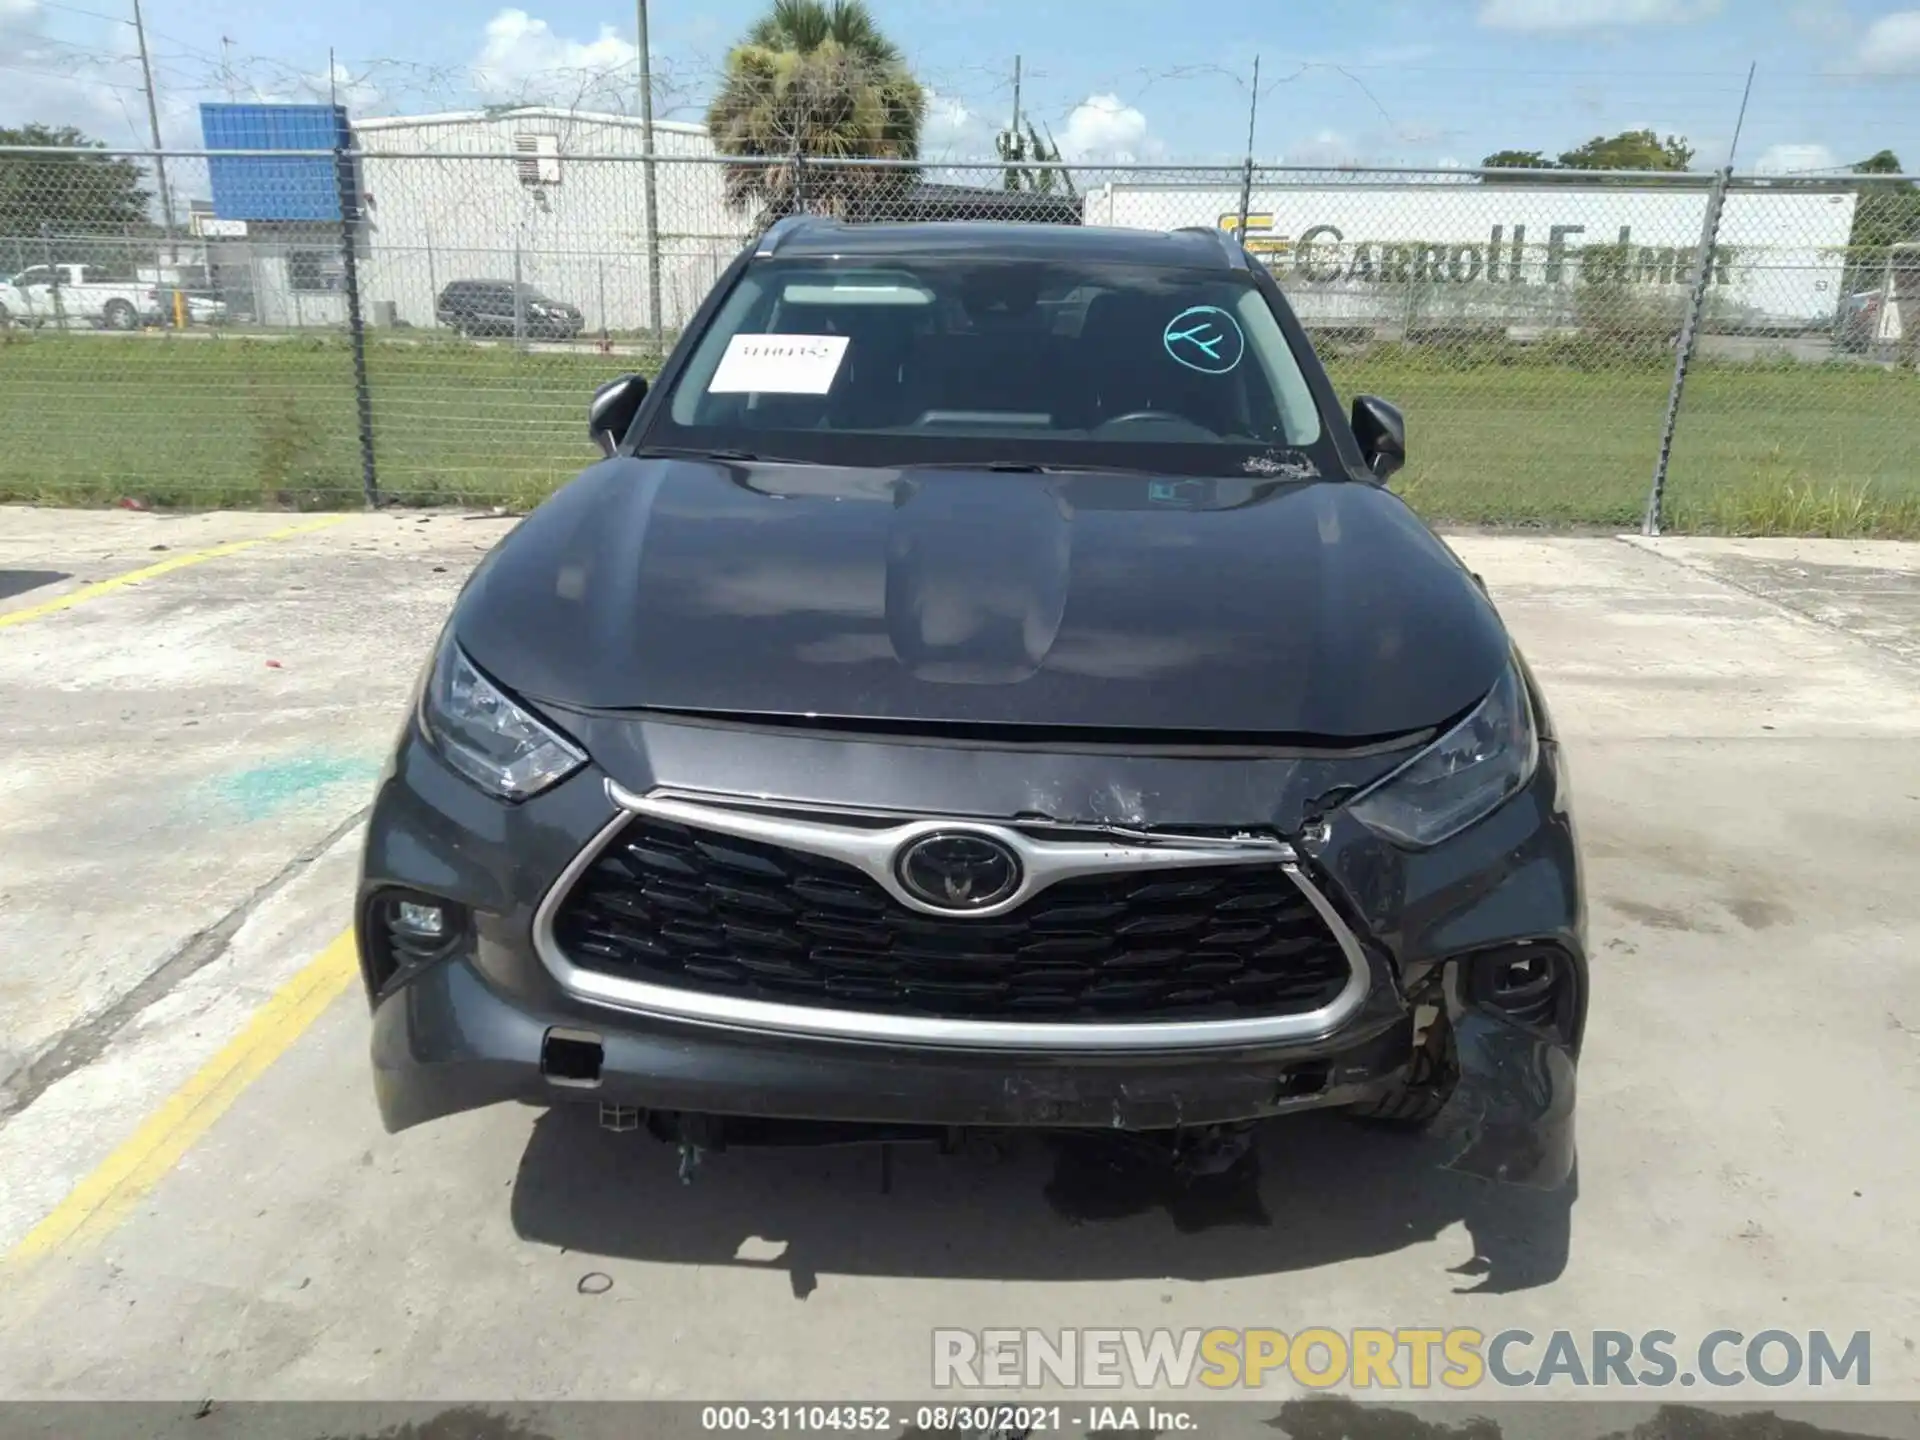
<point>119,316</point>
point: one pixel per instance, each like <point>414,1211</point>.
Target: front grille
<point>670,905</point>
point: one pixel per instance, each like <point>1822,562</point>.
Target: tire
<point>119,315</point>
<point>1413,1103</point>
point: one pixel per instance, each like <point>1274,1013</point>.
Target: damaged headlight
<point>479,730</point>
<point>1460,778</point>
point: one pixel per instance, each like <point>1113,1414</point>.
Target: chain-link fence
<point>421,320</point>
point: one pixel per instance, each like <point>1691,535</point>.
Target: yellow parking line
<point>172,562</point>
<point>100,1201</point>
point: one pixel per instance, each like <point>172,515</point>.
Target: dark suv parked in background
<point>491,307</point>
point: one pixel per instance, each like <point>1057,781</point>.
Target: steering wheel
<point>1179,425</point>
<point>1135,416</point>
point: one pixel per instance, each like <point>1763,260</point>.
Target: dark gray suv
<point>499,307</point>
<point>988,683</point>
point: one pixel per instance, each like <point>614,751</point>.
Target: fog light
<point>1526,982</point>
<point>427,922</point>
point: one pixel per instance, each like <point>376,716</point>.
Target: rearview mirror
<point>614,406</point>
<point>1382,433</point>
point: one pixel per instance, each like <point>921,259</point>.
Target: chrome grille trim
<point>871,851</point>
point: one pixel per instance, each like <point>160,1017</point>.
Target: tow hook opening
<point>572,1058</point>
<point>1303,1081</point>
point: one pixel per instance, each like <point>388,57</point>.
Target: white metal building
<point>555,198</point>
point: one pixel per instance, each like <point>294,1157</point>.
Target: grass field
<point>1761,449</point>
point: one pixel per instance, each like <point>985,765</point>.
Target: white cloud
<point>86,80</point>
<point>1891,45</point>
<point>521,58</point>
<point>1103,128</point>
<point>1801,159</point>
<point>1589,14</point>
<point>1822,19</point>
<point>1324,148</point>
<point>337,86</point>
<point>359,96</point>
<point>952,131</point>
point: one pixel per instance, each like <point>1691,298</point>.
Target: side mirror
<point>614,406</point>
<point>1382,433</point>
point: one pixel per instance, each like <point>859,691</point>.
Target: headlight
<point>1461,777</point>
<point>483,734</point>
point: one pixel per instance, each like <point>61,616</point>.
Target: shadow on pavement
<point>19,582</point>
<point>1313,1191</point>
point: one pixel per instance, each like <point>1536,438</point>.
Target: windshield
<point>923,361</point>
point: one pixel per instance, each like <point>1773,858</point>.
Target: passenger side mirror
<point>614,406</point>
<point>1382,433</point>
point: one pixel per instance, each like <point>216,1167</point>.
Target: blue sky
<point>1370,81</point>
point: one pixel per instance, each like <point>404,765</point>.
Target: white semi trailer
<point>1520,255</point>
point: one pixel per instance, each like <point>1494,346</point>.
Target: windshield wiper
<point>679,452</point>
<point>1028,467</point>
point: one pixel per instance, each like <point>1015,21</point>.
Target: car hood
<point>929,597</point>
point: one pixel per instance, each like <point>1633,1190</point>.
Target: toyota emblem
<point>958,871</point>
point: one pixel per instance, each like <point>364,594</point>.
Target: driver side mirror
<point>611,413</point>
<point>1382,433</point>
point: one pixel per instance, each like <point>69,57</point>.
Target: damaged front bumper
<point>483,1020</point>
<point>449,1042</point>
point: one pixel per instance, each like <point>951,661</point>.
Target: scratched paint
<point>265,790</point>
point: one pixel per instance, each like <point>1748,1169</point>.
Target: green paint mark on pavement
<point>267,789</point>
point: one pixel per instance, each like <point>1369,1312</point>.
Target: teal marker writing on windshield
<point>1205,338</point>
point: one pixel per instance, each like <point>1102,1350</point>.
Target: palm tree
<point>1017,149</point>
<point>816,79</point>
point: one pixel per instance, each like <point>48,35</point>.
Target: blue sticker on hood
<point>1205,338</point>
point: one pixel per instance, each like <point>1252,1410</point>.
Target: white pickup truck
<point>76,295</point>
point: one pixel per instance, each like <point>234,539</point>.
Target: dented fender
<point>1510,1117</point>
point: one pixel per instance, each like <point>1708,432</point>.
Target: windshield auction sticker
<point>779,365</point>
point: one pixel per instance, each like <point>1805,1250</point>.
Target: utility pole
<point>153,126</point>
<point>1012,146</point>
<point>226,69</point>
<point>652,176</point>
<point>1017,131</point>
<point>1246,174</point>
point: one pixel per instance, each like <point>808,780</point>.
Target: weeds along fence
<point>424,326</point>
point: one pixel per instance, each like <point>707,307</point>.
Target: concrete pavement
<point>1741,718</point>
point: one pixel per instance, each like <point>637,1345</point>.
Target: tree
<point>1886,213</point>
<point>1629,150</point>
<point>82,192</point>
<point>1017,150</point>
<point>816,79</point>
<point>1517,160</point>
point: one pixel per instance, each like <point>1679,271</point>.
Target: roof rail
<point>1235,252</point>
<point>775,234</point>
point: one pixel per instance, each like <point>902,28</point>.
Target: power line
<point>90,14</point>
<point>73,79</point>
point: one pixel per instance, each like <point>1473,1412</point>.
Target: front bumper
<point>471,1029</point>
<point>450,1042</point>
